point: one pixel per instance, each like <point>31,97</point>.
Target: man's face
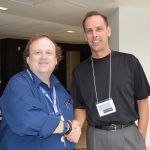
<point>42,56</point>
<point>96,33</point>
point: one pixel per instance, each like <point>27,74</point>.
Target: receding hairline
<point>43,37</point>
<point>94,13</point>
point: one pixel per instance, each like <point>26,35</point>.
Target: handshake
<point>74,131</point>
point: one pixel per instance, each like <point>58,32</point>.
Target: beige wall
<point>72,59</point>
<point>82,141</point>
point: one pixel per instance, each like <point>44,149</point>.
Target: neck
<point>101,53</point>
<point>44,78</point>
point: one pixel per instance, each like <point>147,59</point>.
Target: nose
<point>43,55</point>
<point>94,33</point>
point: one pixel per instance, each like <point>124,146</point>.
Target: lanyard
<point>53,102</point>
<point>95,87</point>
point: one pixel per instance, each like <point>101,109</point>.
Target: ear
<point>27,60</point>
<point>109,31</point>
<point>56,61</point>
<point>85,37</point>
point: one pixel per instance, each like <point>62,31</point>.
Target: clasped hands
<point>74,135</point>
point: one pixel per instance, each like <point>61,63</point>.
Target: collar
<point>53,80</point>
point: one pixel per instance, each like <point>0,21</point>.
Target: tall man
<point>111,91</point>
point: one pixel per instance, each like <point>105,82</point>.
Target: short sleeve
<point>141,85</point>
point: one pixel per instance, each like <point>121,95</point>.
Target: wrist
<point>69,128</point>
<point>65,127</point>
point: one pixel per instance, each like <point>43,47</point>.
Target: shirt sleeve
<point>76,93</point>
<point>24,112</point>
<point>141,85</point>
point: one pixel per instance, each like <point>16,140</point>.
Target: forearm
<point>143,116</point>
<point>80,116</point>
<point>77,123</point>
<point>59,128</point>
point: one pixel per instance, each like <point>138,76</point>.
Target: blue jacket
<point>28,117</point>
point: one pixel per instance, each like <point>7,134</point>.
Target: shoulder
<point>19,78</point>
<point>130,61</point>
<point>54,80</point>
<point>124,56</point>
<point>18,82</point>
<point>83,65</point>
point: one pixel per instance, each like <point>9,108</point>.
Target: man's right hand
<point>74,135</point>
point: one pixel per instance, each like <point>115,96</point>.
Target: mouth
<point>96,42</point>
<point>43,63</point>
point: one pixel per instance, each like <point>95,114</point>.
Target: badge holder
<point>106,107</point>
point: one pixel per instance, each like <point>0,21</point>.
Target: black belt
<point>113,126</point>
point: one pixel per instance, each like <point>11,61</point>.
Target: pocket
<point>67,109</point>
<point>69,104</point>
<point>133,139</point>
<point>139,136</point>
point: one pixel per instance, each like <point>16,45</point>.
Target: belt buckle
<point>114,127</point>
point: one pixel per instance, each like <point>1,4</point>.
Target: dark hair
<point>36,37</point>
<point>94,13</point>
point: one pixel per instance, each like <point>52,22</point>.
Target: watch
<point>70,128</point>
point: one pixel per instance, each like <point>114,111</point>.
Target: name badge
<point>106,107</point>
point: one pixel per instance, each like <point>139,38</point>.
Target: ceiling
<point>54,17</point>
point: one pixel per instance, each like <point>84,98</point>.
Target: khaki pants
<point>127,138</point>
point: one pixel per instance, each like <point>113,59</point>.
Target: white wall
<point>114,23</point>
<point>131,34</point>
<point>134,37</point>
<point>134,34</point>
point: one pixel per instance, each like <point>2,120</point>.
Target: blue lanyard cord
<point>29,73</point>
<point>54,101</point>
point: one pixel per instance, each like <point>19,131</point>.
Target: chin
<point>44,71</point>
<point>97,49</point>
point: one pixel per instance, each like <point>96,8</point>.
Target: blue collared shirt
<point>29,118</point>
